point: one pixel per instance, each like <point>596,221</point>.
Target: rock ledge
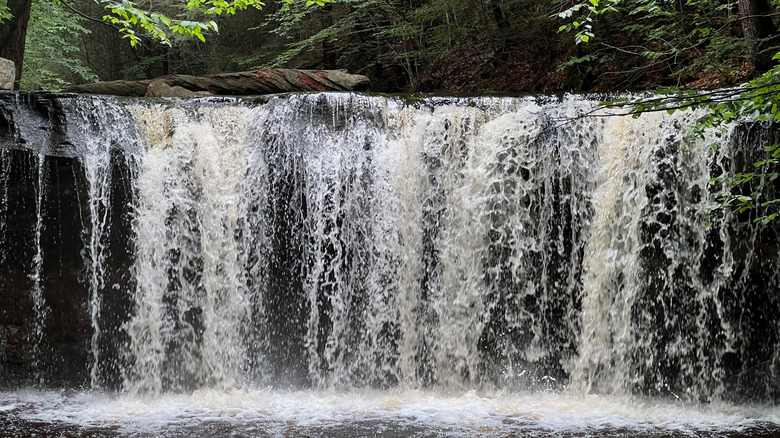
<point>232,84</point>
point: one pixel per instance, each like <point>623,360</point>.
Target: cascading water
<point>39,303</point>
<point>399,253</point>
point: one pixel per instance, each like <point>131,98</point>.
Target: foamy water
<point>266,412</point>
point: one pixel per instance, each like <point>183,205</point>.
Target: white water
<point>36,292</point>
<point>265,412</point>
<point>188,206</point>
<point>495,265</point>
<point>4,207</point>
<point>5,173</point>
<point>409,236</point>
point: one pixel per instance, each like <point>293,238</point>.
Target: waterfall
<point>5,172</point>
<point>345,241</point>
<point>40,307</point>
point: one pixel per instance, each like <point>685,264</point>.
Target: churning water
<point>342,264</point>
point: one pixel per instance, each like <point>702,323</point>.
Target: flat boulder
<point>231,84</point>
<point>7,74</point>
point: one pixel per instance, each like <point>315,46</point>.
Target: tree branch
<point>85,16</point>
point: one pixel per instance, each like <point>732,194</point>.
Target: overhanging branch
<point>85,16</point>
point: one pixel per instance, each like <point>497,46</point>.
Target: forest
<point>450,46</point>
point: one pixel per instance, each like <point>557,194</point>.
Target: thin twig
<point>83,15</point>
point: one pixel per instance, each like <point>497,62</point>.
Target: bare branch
<point>85,16</point>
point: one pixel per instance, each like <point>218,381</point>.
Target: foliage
<point>51,62</point>
<point>761,184</point>
<point>373,31</point>
<point>128,18</point>
<point>682,38</point>
<point>60,44</point>
<point>402,37</point>
<point>582,16</point>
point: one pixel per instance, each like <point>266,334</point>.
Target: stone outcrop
<point>7,74</point>
<point>232,84</point>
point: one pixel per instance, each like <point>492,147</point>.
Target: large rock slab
<point>7,74</point>
<point>233,84</point>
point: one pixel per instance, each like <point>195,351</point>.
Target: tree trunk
<point>502,21</point>
<point>13,34</point>
<point>328,50</point>
<point>756,25</point>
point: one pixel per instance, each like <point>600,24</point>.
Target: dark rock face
<point>45,227</point>
<point>44,239</point>
<point>41,253</point>
<point>233,84</point>
<point>63,124</point>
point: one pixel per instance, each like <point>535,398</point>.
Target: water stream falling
<point>344,264</point>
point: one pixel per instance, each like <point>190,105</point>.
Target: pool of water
<point>392,413</point>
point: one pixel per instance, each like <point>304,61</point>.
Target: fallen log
<point>232,84</point>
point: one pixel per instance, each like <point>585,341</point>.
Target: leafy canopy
<point>129,18</point>
<point>133,21</point>
<point>51,62</point>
